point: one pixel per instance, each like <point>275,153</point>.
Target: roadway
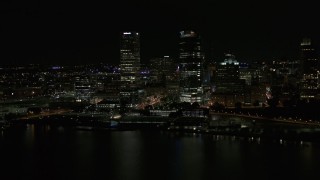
<point>46,113</point>
<point>281,120</point>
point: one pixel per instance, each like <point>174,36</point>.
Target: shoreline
<point>271,130</point>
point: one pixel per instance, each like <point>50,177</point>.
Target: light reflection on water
<point>45,152</point>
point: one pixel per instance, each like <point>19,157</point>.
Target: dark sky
<point>79,32</point>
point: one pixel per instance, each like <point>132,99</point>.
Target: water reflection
<point>43,152</point>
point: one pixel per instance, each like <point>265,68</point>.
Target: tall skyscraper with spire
<point>310,85</point>
<point>129,66</point>
<point>191,59</point>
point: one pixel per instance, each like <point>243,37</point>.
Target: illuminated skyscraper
<point>310,85</point>
<point>191,67</point>
<point>228,76</point>
<point>129,57</point>
<point>129,67</point>
<point>229,88</point>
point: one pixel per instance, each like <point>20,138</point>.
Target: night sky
<point>78,32</point>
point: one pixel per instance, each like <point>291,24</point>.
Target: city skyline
<point>179,89</point>
<point>80,33</point>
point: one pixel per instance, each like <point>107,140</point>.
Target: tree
<point>273,102</point>
<point>10,116</point>
<point>238,105</point>
<point>173,105</point>
<point>185,105</point>
<point>218,106</point>
<point>256,103</point>
<point>148,107</point>
<point>34,110</point>
<point>195,105</point>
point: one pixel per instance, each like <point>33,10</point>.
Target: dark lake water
<point>46,152</point>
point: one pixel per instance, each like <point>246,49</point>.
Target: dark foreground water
<point>66,153</point>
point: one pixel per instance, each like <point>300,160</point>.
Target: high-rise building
<point>310,71</point>
<point>162,69</point>
<point>228,76</point>
<point>129,57</point>
<point>229,87</point>
<point>191,59</point>
<point>129,67</point>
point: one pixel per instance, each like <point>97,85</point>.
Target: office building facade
<point>129,67</point>
<point>191,59</point>
<point>309,85</point>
